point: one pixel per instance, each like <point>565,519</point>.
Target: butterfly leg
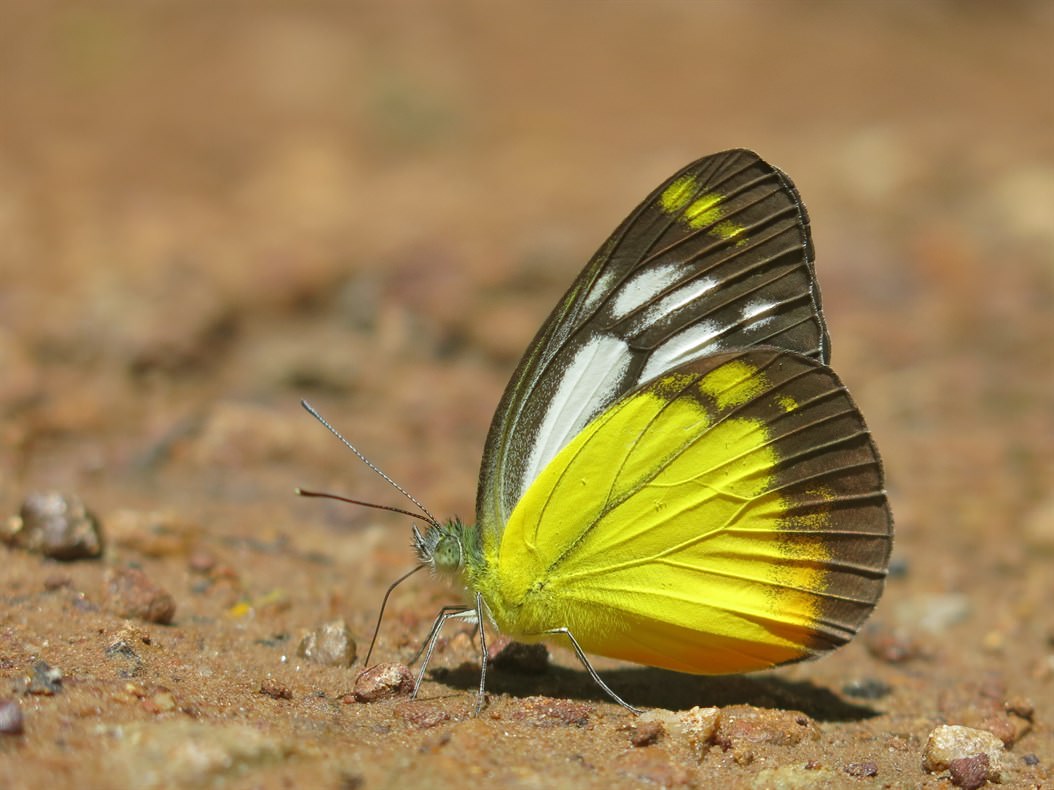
<point>445,614</point>
<point>589,668</point>
<point>482,655</point>
<point>441,618</point>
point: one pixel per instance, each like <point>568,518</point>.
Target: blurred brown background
<point>209,211</point>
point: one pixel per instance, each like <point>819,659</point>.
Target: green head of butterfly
<point>442,546</point>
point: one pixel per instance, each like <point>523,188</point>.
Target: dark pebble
<point>869,768</point>
<point>866,688</point>
<point>272,688</point>
<point>124,647</point>
<point>898,568</point>
<point>56,581</point>
<point>969,773</point>
<point>1030,759</point>
<point>121,649</point>
<point>46,680</point>
<point>350,781</point>
<point>11,722</point>
<point>56,525</point>
<point>646,733</point>
<point>131,593</point>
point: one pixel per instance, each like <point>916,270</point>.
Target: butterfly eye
<point>447,555</point>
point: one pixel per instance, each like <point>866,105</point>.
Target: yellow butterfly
<point>674,475</point>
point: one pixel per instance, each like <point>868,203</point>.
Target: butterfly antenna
<point>384,603</point>
<point>432,519</point>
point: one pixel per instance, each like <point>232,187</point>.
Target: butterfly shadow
<point>647,687</point>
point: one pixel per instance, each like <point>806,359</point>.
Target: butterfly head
<point>442,547</point>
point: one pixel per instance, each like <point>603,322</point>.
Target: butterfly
<point>674,475</point>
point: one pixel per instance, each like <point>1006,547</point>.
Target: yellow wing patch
<point>656,536</point>
<point>678,194</point>
<point>733,384</point>
<point>704,211</point>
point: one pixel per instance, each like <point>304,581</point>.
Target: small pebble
<point>948,743</point>
<point>128,640</point>
<point>275,640</point>
<point>330,645</point>
<point>652,768</point>
<point>646,733</point>
<point>739,724</point>
<point>57,581</point>
<point>866,688</point>
<point>549,712</point>
<point>1030,759</point>
<point>969,772</point>
<point>699,724</point>
<point>899,568</point>
<point>131,593</point>
<point>272,688</point>
<point>201,561</point>
<point>161,702</point>
<point>1021,707</point>
<point>124,649</point>
<point>421,716</point>
<point>46,680</point>
<point>11,722</point>
<point>869,768</point>
<point>119,648</point>
<point>55,525</point>
<point>519,657</point>
<point>383,681</point>
<point>891,646</point>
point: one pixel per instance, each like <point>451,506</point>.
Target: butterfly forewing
<point>716,258</point>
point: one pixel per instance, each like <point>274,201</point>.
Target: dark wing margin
<point>831,478</point>
<point>718,257</point>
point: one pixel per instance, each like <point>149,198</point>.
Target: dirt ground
<point>209,211</point>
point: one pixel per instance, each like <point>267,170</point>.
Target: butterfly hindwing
<point>728,516</point>
<point>717,257</point>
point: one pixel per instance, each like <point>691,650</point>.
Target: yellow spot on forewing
<point>733,384</point>
<point>787,403</point>
<point>730,230</point>
<point>704,211</point>
<point>676,195</point>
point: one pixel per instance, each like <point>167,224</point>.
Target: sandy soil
<point>209,211</point>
